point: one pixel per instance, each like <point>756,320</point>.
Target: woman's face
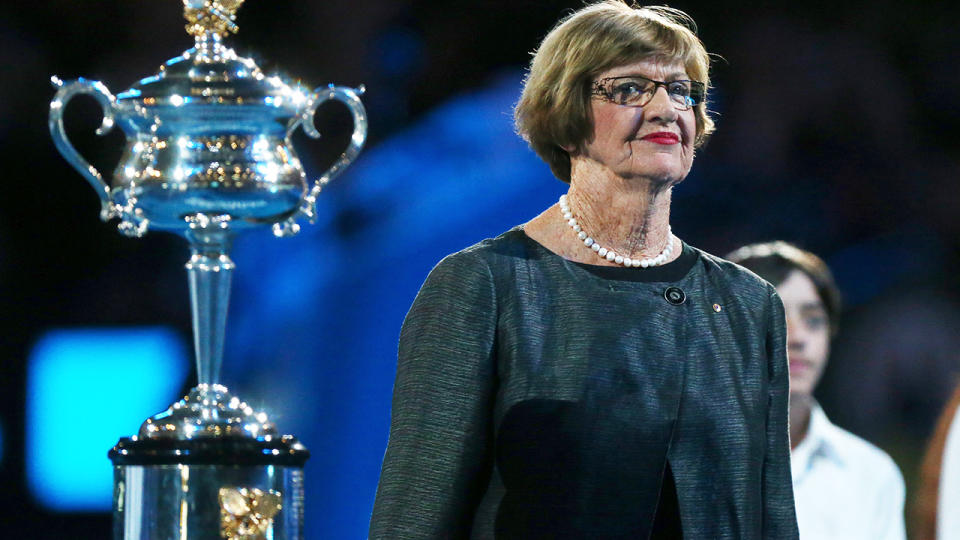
<point>808,332</point>
<point>654,141</point>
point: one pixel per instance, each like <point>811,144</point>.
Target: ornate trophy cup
<point>208,153</point>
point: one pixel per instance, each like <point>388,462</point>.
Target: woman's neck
<point>630,216</point>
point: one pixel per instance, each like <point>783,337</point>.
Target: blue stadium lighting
<point>86,388</point>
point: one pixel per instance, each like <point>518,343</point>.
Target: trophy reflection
<point>207,154</point>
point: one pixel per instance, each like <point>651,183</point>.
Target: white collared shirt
<point>948,504</point>
<point>845,488</point>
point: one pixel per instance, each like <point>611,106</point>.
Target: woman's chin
<point>661,176</point>
<point>662,171</point>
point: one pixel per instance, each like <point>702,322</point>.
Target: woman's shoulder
<point>492,252</point>
<point>732,274</point>
<point>511,243</point>
<point>485,259</point>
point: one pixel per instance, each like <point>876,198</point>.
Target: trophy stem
<point>210,270</point>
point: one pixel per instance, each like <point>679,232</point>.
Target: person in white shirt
<point>844,487</point>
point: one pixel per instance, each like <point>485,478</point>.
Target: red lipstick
<point>662,137</point>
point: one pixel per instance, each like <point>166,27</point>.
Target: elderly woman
<point>588,374</point>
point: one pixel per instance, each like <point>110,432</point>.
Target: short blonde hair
<point>554,108</point>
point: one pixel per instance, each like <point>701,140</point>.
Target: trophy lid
<point>209,426</point>
<point>211,72</point>
<point>209,411</point>
<point>284,451</point>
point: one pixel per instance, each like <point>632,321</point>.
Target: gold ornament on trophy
<point>211,16</point>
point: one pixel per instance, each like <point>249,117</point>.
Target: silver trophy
<point>208,153</point>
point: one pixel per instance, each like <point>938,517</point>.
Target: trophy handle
<point>351,98</point>
<point>65,93</point>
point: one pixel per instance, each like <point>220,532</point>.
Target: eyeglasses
<point>637,91</point>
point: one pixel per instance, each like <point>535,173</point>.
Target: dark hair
<point>773,261</point>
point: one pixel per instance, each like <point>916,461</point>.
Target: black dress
<point>541,398</point>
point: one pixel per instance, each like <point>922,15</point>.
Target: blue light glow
<point>86,389</point>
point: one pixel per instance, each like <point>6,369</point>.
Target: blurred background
<point>837,130</point>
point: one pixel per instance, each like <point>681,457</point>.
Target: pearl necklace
<point>609,254</point>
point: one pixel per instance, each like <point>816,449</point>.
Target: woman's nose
<point>661,107</point>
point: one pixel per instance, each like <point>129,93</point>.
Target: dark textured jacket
<point>541,398</point>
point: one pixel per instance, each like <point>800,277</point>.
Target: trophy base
<point>235,488</point>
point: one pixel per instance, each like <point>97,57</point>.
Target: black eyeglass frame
<point>698,91</point>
